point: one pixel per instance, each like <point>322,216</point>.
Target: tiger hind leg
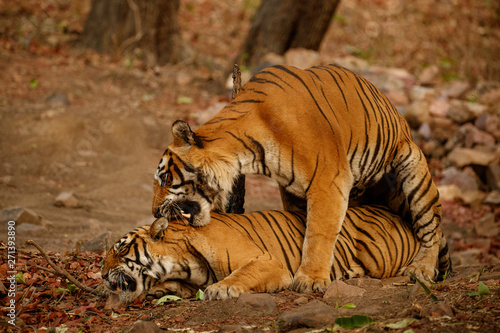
<point>416,199</point>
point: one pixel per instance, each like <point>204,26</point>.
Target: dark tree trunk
<point>280,25</point>
<point>123,25</point>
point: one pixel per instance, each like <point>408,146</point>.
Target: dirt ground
<point>96,126</point>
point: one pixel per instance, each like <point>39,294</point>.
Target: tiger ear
<point>184,136</point>
<point>157,228</point>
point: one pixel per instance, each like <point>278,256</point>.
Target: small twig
<point>63,272</point>
<point>236,81</point>
<point>28,302</point>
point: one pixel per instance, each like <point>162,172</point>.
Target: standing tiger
<point>325,134</point>
<point>257,252</point>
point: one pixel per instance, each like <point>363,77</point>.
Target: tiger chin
<point>255,252</point>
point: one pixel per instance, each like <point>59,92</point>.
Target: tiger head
<point>143,259</point>
<point>192,180</point>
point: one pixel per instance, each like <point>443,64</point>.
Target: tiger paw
<point>422,273</point>
<point>222,290</point>
<point>304,284</point>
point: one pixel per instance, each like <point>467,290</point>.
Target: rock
<point>395,280</point>
<point>474,135</point>
<point>425,131</point>
<point>473,197</point>
<point>466,180</point>
<point>493,176</point>
<point>314,314</point>
<point>57,99</point>
<point>489,123</point>
<point>341,289</point>
<point>439,309</point>
<point>442,129</point>
<point>486,226</point>
<point>257,304</point>
<point>491,97</point>
<point>466,258</point>
<point>417,113</point>
<point>429,75</point>
<point>456,89</point>
<point>364,282</point>
<point>461,112</point>
<point>301,58</point>
<point>99,244</point>
<point>20,215</point>
<point>419,93</point>
<point>467,156</point>
<point>439,108</point>
<point>66,199</point>
<point>29,229</point>
<point>493,198</point>
<point>397,97</point>
<point>301,300</point>
<point>449,192</point>
<point>433,148</point>
<point>354,64</point>
<point>144,327</point>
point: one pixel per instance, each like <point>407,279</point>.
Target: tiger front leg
<point>325,215</point>
<point>262,274</point>
<point>418,199</point>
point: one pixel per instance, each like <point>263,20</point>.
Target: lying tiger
<point>326,135</point>
<point>255,252</point>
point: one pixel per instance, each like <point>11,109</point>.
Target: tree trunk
<point>280,25</point>
<point>123,25</point>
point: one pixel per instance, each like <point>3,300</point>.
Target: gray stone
<point>456,89</point>
<point>144,327</point>
<point>314,314</point>
<point>99,244</point>
<point>493,198</point>
<point>341,289</point>
<point>439,107</point>
<point>449,192</point>
<point>57,99</point>
<point>429,75</point>
<point>29,229</point>
<point>425,131</point>
<point>396,280</point>
<point>466,258</point>
<point>459,112</point>
<point>66,199</point>
<point>489,123</point>
<point>439,309</point>
<point>466,179</point>
<point>419,93</point>
<point>19,215</point>
<point>493,176</point>
<point>256,304</point>
<point>442,129</point>
<point>364,282</point>
<point>301,58</point>
<point>301,300</point>
<point>486,226</point>
<point>474,136</point>
<point>417,113</point>
<point>467,156</point>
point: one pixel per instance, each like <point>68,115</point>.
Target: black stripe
<point>314,174</point>
<point>309,91</point>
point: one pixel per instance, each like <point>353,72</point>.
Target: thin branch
<point>63,272</point>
